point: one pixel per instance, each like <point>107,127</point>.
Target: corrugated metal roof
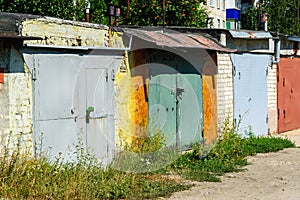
<point>293,38</point>
<point>176,39</point>
<point>245,34</point>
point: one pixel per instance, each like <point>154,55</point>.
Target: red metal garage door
<point>288,86</point>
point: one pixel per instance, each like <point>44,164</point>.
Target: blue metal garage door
<point>250,92</point>
<point>73,95</point>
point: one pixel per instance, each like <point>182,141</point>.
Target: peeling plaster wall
<point>20,102</point>
<point>224,90</point>
<point>4,97</point>
<point>16,104</point>
<point>68,33</point>
<point>130,98</point>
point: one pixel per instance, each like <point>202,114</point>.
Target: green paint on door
<point>175,100</point>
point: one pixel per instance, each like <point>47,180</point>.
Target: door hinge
<point>34,72</point>
<point>233,70</point>
<point>113,76</point>
<point>106,75</point>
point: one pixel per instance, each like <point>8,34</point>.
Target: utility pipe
<point>276,50</point>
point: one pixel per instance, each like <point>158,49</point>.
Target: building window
<point>212,3</point>
<point>223,5</point>
<point>223,26</point>
<point>238,4</point>
<point>218,4</point>
<point>219,23</point>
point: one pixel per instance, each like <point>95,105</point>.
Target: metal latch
<point>88,112</point>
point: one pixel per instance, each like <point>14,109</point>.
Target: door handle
<point>88,112</point>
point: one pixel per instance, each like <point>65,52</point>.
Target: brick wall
<point>224,89</point>
<point>272,98</point>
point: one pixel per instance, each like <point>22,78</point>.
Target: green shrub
<point>208,162</point>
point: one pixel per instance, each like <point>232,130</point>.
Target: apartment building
<point>233,14</point>
<point>217,13</point>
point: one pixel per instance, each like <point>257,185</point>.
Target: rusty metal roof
<point>11,24</point>
<point>246,34</point>
<point>175,39</point>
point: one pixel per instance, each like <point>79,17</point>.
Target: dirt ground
<point>269,176</point>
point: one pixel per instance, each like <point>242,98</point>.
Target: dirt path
<point>269,176</point>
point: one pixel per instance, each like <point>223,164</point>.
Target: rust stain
<point>1,75</point>
<point>210,109</point>
<point>177,39</point>
<point>138,106</point>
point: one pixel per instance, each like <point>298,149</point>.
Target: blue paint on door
<point>250,92</point>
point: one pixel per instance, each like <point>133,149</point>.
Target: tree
<point>250,19</point>
<point>142,12</point>
<point>282,16</point>
<point>175,13</point>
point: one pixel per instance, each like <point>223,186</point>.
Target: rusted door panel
<point>288,86</point>
<point>210,109</point>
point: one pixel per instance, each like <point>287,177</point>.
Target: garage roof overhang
<point>173,39</point>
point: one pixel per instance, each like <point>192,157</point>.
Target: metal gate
<point>73,103</point>
<point>288,86</point>
<point>250,92</point>
<point>175,100</point>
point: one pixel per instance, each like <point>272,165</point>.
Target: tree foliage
<point>177,13</point>
<point>142,12</point>
<point>250,21</point>
<point>282,15</point>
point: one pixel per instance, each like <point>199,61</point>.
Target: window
<point>223,24</point>
<point>212,3</point>
<point>223,5</point>
<point>218,4</point>
<point>238,4</point>
<point>219,23</point>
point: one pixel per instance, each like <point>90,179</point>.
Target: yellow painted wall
<point>131,103</point>
<point>68,33</point>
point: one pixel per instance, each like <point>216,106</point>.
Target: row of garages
<point>65,84</point>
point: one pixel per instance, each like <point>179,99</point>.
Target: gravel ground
<point>269,176</point>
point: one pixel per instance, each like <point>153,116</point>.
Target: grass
<point>23,177</point>
<point>40,179</point>
<point>228,155</point>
